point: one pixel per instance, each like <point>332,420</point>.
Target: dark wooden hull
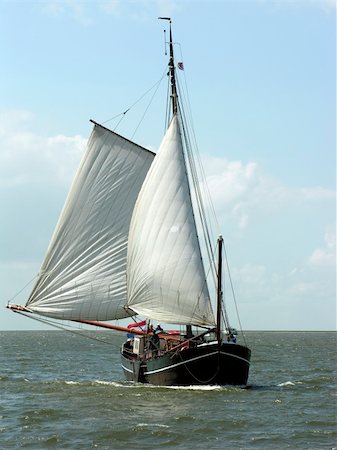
<point>204,364</point>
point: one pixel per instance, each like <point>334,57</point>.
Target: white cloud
<point>252,281</point>
<point>76,9</point>
<point>240,189</point>
<point>318,193</point>
<point>242,192</point>
<point>27,157</point>
<point>84,12</point>
<point>237,189</point>
<point>141,9</point>
<point>304,297</point>
<point>325,256</point>
<point>322,257</point>
<point>110,6</point>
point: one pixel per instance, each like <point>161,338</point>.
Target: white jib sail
<point>166,278</point>
<point>83,275</point>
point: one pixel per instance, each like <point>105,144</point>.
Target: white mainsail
<point>166,278</point>
<point>83,275</point>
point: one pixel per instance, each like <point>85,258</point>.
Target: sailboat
<point>127,245</point>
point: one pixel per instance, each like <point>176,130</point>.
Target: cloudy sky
<point>261,81</point>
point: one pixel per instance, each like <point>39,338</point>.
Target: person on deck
<point>154,342</point>
<point>232,338</point>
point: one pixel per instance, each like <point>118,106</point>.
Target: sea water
<point>62,391</point>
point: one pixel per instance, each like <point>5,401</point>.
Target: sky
<point>261,82</point>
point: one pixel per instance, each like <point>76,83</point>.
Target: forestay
<point>83,275</point>
<point>166,277</point>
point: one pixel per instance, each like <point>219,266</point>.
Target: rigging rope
<point>122,114</point>
<point>63,328</point>
<point>149,104</point>
<point>197,152</point>
<point>233,293</point>
<point>196,176</point>
<point>18,293</point>
<point>200,204</point>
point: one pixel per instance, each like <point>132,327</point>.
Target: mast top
<point>174,96</point>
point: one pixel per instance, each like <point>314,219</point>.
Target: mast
<point>174,96</point>
<point>219,291</point>
<point>174,102</point>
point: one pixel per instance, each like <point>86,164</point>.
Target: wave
<point>151,425</point>
<point>272,387</point>
<point>206,387</point>
<point>286,383</point>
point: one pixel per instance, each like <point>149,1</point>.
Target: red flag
<point>137,324</point>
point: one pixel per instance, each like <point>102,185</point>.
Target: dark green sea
<point>58,390</point>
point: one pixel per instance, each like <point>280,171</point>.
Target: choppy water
<point>62,391</point>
